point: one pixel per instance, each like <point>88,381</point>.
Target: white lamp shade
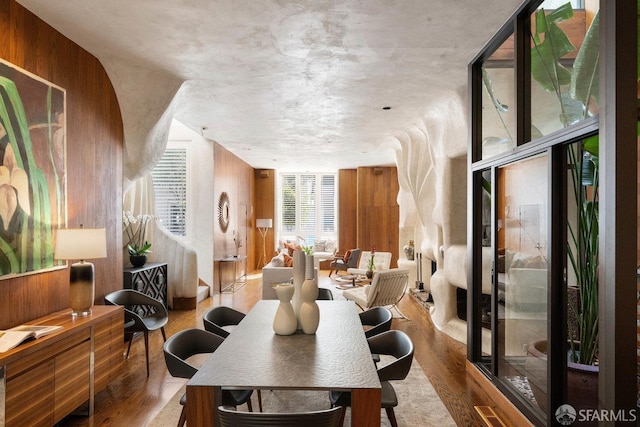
<point>264,223</point>
<point>80,243</point>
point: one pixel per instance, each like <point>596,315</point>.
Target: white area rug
<point>419,404</point>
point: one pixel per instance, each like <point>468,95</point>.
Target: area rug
<point>418,403</point>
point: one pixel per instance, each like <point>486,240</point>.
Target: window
<point>170,187</point>
<point>307,207</point>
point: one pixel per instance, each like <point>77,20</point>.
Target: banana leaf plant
<point>576,90</point>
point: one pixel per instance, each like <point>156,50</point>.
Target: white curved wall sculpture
<point>431,160</point>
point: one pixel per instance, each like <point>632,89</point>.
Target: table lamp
<point>81,244</point>
<point>263,226</point>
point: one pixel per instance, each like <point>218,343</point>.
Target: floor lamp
<point>263,226</point>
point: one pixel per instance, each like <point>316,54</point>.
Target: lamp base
<point>81,288</point>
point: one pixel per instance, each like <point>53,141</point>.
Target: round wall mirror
<point>224,207</point>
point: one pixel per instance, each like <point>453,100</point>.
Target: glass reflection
<point>522,277</point>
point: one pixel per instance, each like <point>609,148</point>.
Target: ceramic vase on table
<point>309,317</point>
<point>285,321</point>
<point>299,268</point>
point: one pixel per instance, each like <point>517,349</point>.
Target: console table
<point>44,380</point>
<point>150,279</point>
<point>239,273</point>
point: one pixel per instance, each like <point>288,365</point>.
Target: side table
<point>239,265</point>
<point>150,279</point>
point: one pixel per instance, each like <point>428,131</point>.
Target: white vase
<point>308,266</point>
<point>299,266</point>
<point>285,321</point>
<point>309,312</point>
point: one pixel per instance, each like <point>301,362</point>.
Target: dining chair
<point>324,418</point>
<point>378,318</point>
<point>399,346</point>
<point>142,313</point>
<point>324,294</point>
<point>218,318</point>
<point>188,343</point>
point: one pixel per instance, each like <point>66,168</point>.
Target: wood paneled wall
<point>378,210</point>
<point>347,209</point>
<point>368,210</point>
<point>94,158</point>
<point>265,207</point>
<point>236,178</point>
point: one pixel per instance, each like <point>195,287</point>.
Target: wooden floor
<point>133,399</point>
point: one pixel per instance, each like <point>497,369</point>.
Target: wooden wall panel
<point>235,177</point>
<point>378,210</point>
<point>94,158</point>
<point>264,197</point>
<point>347,209</point>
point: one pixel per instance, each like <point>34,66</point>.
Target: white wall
<point>202,209</point>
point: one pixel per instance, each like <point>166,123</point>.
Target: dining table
<point>253,357</point>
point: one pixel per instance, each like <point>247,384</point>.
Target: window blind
<point>170,187</point>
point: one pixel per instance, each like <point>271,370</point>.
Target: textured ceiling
<point>292,85</point>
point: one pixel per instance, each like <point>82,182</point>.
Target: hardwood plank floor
<point>133,399</point>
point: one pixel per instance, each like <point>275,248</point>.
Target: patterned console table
<point>150,279</point>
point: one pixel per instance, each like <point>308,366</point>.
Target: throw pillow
<point>319,246</point>
<point>288,261</point>
<point>277,261</point>
<point>346,256</point>
<point>330,246</point>
<point>290,247</point>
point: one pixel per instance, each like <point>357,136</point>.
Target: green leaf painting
<point>32,170</point>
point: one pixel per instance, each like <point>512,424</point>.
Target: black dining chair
<point>142,313</point>
<point>218,318</point>
<point>190,342</point>
<point>325,418</point>
<point>392,343</point>
<point>378,319</point>
<point>324,294</point>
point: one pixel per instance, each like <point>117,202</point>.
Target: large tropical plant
<point>576,90</point>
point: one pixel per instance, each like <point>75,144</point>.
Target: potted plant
<point>136,230</point>
<point>371,266</point>
<point>138,254</point>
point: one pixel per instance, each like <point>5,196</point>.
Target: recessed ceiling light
<point>386,108</point>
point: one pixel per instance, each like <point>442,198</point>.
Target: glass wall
<point>538,92</point>
<point>498,101</point>
<point>523,282</point>
<point>564,67</point>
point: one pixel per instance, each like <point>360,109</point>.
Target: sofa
<point>272,275</point>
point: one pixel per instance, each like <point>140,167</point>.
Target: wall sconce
<point>263,226</point>
<point>81,244</point>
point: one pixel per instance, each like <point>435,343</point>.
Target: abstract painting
<point>32,170</point>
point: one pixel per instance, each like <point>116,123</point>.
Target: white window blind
<point>170,187</point>
<point>307,207</point>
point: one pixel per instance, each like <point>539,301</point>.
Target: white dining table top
<point>336,357</point>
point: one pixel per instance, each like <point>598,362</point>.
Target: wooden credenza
<point>44,380</point>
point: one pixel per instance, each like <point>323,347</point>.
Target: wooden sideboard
<point>44,380</point>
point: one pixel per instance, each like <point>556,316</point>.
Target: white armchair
<point>387,288</point>
<point>381,260</point>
